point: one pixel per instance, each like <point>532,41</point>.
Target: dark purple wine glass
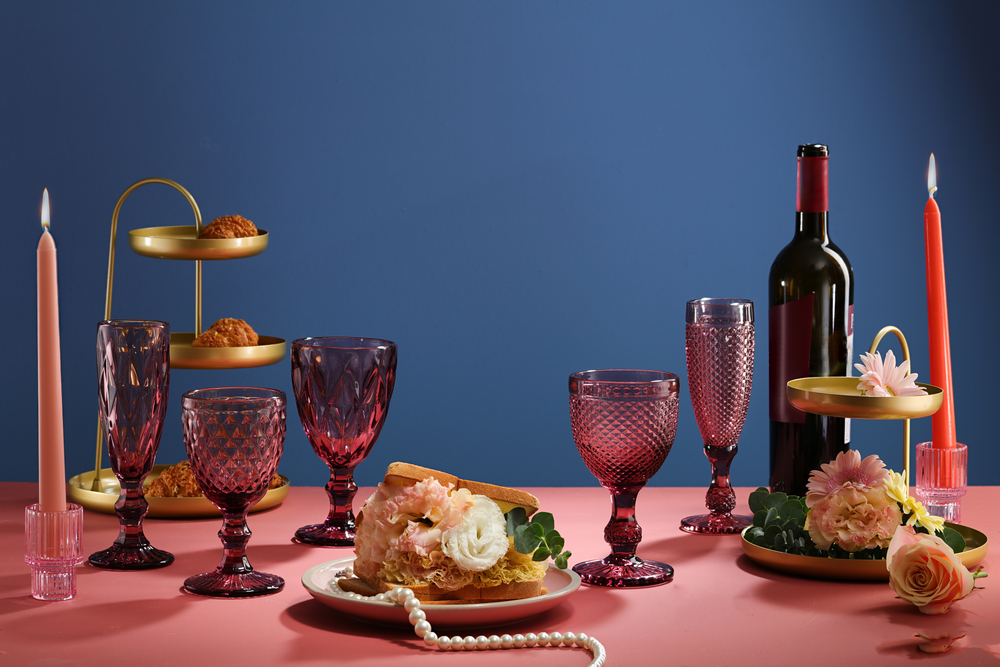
<point>234,437</point>
<point>720,342</point>
<point>133,380</point>
<point>342,389</point>
<point>624,422</point>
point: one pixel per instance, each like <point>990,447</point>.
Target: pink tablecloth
<point>721,608</point>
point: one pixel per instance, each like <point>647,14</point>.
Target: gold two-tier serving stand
<point>97,489</point>
<point>840,397</point>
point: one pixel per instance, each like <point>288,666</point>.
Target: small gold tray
<point>183,243</point>
<point>78,491</point>
<point>976,546</point>
<point>268,351</point>
<point>840,397</point>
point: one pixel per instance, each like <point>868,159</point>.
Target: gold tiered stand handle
<point>183,243</point>
<point>840,397</point>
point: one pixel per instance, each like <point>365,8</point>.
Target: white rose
<point>480,540</point>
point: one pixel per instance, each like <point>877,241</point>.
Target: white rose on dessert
<point>480,540</point>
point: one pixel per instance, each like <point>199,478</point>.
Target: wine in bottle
<point>810,328</point>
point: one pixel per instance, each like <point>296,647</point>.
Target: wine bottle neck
<point>812,225</point>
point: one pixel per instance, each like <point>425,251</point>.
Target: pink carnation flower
<point>846,470</point>
<point>854,518</point>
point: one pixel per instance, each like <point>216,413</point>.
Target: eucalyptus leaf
<point>756,499</point>
<point>545,519</point>
<point>759,517</point>
<point>772,518</point>
<point>515,518</point>
<point>775,500</point>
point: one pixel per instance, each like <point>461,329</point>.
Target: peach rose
<point>925,571</point>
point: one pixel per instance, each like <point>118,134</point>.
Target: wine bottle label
<point>790,337</point>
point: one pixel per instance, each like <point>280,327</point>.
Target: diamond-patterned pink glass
<point>342,389</point>
<point>234,437</point>
<point>133,380</point>
<point>720,341</point>
<point>624,422</point>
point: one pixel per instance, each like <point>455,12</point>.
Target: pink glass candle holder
<point>52,550</point>
<point>623,422</point>
<point>942,496</point>
<point>234,437</point>
<point>342,389</point>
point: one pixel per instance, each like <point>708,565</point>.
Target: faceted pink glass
<point>342,389</point>
<point>133,379</point>
<point>624,422</point>
<point>720,341</point>
<point>234,437</point>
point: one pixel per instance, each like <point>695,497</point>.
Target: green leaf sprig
<point>537,537</point>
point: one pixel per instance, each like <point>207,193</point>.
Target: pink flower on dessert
<point>886,379</point>
<point>854,517</point>
<point>924,571</point>
<point>399,519</point>
<point>846,470</point>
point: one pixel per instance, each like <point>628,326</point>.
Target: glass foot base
<point>716,524</point>
<point>118,557</point>
<point>244,585</point>
<point>629,572</point>
<point>325,536</point>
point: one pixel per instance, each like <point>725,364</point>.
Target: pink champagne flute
<point>342,389</point>
<point>133,381</point>
<point>234,437</point>
<point>720,339</point>
<point>624,422</point>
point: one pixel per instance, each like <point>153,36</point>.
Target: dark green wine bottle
<point>810,330</point>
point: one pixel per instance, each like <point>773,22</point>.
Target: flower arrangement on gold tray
<point>861,516</point>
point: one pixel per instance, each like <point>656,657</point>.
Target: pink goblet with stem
<point>342,389</point>
<point>234,437</point>
<point>133,381</point>
<point>624,422</point>
<point>720,339</point>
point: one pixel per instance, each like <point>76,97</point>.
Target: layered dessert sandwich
<point>452,541</point>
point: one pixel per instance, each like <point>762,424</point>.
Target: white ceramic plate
<point>561,583</point>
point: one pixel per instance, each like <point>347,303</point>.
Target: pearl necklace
<point>418,619</point>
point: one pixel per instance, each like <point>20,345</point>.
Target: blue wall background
<point>510,191</point>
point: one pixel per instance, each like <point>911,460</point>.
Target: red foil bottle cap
<point>812,193</point>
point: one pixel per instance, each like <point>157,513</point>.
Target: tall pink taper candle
<point>51,464</point>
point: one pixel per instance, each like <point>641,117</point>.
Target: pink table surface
<point>720,609</point>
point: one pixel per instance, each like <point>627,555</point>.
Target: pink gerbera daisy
<point>846,470</point>
<point>887,379</point>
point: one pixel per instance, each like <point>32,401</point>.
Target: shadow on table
<point>66,625</point>
<point>683,547</point>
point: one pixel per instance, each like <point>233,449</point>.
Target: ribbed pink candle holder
<point>52,550</point>
<point>939,492</point>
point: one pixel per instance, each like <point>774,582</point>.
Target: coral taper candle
<point>51,464</point>
<point>943,421</point>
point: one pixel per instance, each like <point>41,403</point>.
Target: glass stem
<point>234,535</point>
<point>131,508</point>
<point>720,499</point>
<point>341,489</point>
<point>623,532</point>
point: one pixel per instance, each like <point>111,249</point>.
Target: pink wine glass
<point>234,437</point>
<point>133,380</point>
<point>624,422</point>
<point>720,375</point>
<point>342,389</point>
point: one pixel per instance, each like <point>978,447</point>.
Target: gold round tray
<point>268,351</point>
<point>183,243</point>
<point>840,397</point>
<point>78,488</point>
<point>976,545</point>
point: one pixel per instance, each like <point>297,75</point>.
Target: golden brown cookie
<point>227,332</point>
<point>228,227</point>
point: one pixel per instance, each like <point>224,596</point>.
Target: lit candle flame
<point>45,208</point>
<point>931,176</point>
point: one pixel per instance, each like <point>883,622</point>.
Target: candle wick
<point>932,190</point>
